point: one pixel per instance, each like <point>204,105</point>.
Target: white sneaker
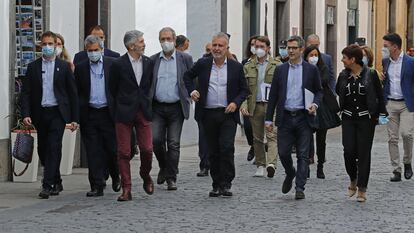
<point>260,171</point>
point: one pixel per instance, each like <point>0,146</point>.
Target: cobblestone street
<point>258,204</point>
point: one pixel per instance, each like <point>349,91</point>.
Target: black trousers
<point>248,131</point>
<point>202,147</point>
<point>220,129</point>
<point>50,129</point>
<point>320,145</point>
<point>98,133</point>
<point>357,138</point>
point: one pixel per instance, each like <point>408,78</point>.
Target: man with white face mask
<point>259,74</point>
<point>171,105</point>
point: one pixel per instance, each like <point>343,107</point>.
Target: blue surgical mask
<point>365,60</point>
<point>48,51</point>
<point>385,53</point>
<point>283,52</point>
<point>102,44</point>
<point>94,56</point>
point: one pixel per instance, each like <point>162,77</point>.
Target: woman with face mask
<point>61,51</point>
<point>326,113</point>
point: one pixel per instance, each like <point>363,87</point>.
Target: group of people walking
<point>128,100</point>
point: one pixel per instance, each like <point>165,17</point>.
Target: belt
<point>51,107</point>
<point>294,113</point>
<point>164,103</point>
<point>261,102</point>
<point>215,109</point>
<point>98,109</point>
<point>398,100</point>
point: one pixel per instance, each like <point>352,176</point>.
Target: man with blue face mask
<point>283,52</point>
<point>49,102</point>
<point>96,116</point>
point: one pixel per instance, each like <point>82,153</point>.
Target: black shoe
<point>408,171</point>
<point>116,184</point>
<point>287,183</point>
<point>203,172</point>
<point>319,172</point>
<point>171,185</point>
<point>56,189</point>
<point>95,192</point>
<point>225,192</point>
<point>266,147</point>
<point>214,193</point>
<point>45,193</point>
<point>161,177</point>
<point>308,175</point>
<point>250,154</point>
<point>396,177</point>
<point>299,195</point>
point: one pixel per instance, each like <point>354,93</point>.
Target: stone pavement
<point>257,205</point>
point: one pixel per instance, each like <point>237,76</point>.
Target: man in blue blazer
<point>398,70</point>
<point>296,92</point>
<point>220,91</point>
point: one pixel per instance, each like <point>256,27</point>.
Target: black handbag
<point>330,99</point>
<point>23,150</point>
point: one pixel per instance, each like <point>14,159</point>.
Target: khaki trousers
<point>401,121</point>
<point>259,132</point>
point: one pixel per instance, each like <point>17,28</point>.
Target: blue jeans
<point>295,130</point>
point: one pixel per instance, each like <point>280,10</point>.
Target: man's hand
<point>312,109</point>
<point>382,76</point>
<point>231,108</point>
<point>269,127</point>
<point>27,121</point>
<point>74,126</point>
<point>195,95</point>
<point>244,112</point>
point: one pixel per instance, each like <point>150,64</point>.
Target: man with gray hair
<point>129,83</point>
<point>220,91</point>
<point>96,116</point>
<point>170,105</point>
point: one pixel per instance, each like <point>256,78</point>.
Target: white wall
<point>64,19</point>
<point>122,20</point>
<point>235,27</point>
<point>270,19</point>
<point>150,18</point>
<point>295,16</point>
<point>320,23</point>
<point>363,25</point>
<point>342,32</point>
<point>4,69</point>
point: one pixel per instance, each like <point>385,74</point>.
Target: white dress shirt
<point>394,73</point>
<point>137,67</point>
<point>217,87</point>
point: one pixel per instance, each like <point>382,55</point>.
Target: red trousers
<point>144,140</point>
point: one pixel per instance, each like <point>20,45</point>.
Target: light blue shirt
<point>167,80</point>
<point>97,98</point>
<point>48,71</point>
<point>217,87</point>
<point>261,67</point>
<point>294,95</point>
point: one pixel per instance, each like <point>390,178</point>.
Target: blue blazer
<point>407,80</point>
<point>82,55</point>
<point>327,59</point>
<point>278,91</point>
<point>236,84</point>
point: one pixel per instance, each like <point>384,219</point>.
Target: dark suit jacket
<point>327,59</point>
<point>407,80</point>
<point>184,63</point>
<point>64,88</point>
<point>83,55</point>
<point>236,84</point>
<point>278,90</point>
<point>129,97</point>
<point>83,83</point>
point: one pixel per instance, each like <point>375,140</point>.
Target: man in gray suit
<point>171,105</point>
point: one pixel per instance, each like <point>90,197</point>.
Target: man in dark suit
<point>49,101</point>
<point>221,90</point>
<point>96,31</point>
<point>96,117</point>
<point>170,105</point>
<point>130,82</point>
<point>296,92</point>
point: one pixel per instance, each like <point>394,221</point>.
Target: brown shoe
<point>148,186</point>
<point>361,196</point>
<point>352,189</point>
<point>126,196</point>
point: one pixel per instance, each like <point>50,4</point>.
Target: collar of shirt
<point>48,60</point>
<point>400,57</point>
<point>261,63</point>
<point>162,55</point>
<point>96,63</point>
<point>294,66</point>
<point>225,63</point>
<point>133,60</point>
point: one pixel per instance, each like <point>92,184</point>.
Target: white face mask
<point>58,51</point>
<point>167,46</point>
<point>385,53</point>
<point>365,60</point>
<point>313,60</point>
<point>260,53</point>
<point>253,50</point>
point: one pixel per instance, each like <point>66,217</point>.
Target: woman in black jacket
<point>362,103</point>
<point>326,114</point>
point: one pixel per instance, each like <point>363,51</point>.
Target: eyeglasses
<point>292,47</point>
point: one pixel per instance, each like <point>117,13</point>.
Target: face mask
<point>313,60</point>
<point>253,50</point>
<point>167,46</point>
<point>385,53</point>
<point>58,51</point>
<point>102,44</point>
<point>283,52</point>
<point>365,60</point>
<point>94,56</point>
<point>48,51</point>
<point>260,53</point>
